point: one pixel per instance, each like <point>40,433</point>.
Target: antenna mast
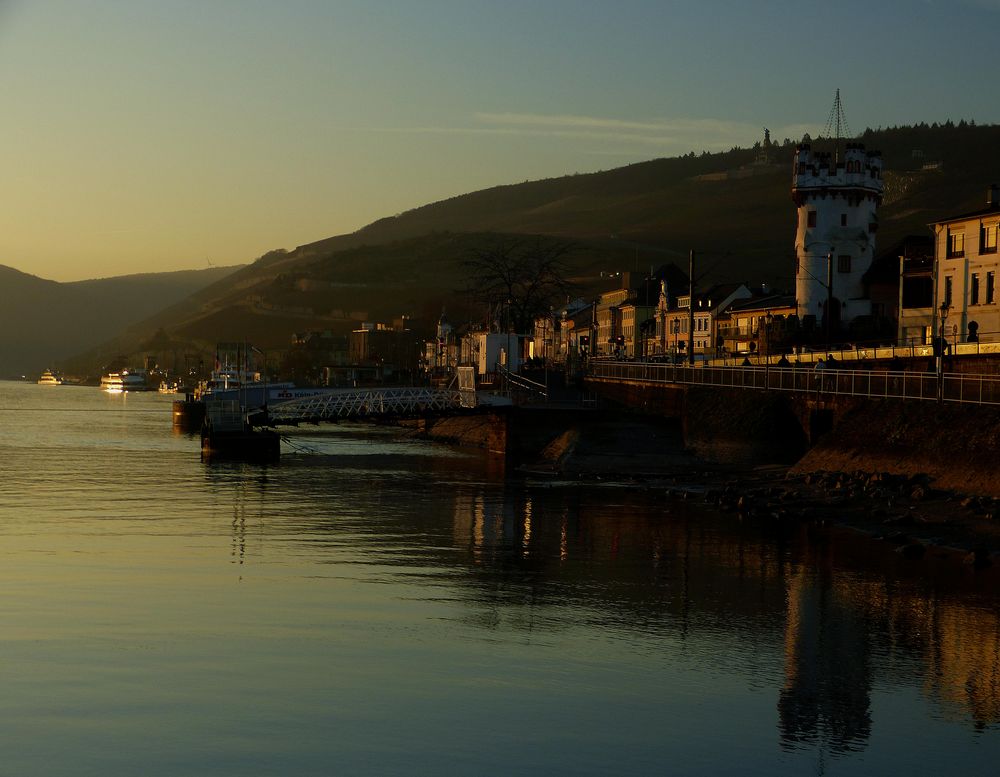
<point>837,122</point>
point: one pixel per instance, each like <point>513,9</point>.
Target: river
<point>381,605</point>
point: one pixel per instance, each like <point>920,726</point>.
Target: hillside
<point>43,322</point>
<point>735,211</point>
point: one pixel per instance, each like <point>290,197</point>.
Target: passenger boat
<point>49,378</point>
<point>225,378</point>
<point>119,382</point>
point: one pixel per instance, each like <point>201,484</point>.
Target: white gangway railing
<point>366,403</point>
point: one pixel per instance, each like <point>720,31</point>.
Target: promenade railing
<point>955,387</point>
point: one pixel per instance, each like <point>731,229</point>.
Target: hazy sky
<point>144,135</point>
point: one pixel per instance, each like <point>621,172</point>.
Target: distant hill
<point>733,208</point>
<point>43,322</point>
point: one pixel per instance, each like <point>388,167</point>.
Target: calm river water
<point>375,605</point>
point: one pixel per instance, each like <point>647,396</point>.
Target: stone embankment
<point>956,447</point>
<point>917,474</point>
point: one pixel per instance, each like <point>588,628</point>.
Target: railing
<point>857,352</point>
<point>365,403</point>
<point>519,383</point>
<point>955,387</point>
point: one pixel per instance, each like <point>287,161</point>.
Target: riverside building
<point>965,249</point>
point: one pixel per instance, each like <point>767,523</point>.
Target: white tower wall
<point>837,203</point>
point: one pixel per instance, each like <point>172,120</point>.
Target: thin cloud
<point>564,120</point>
<point>676,135</point>
<point>526,132</point>
<point>689,132</point>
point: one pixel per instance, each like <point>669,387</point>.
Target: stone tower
<point>837,198</point>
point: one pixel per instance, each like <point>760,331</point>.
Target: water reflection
<point>826,697</point>
<point>377,586</point>
<point>841,616</point>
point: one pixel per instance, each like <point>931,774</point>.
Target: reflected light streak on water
<point>383,606</point>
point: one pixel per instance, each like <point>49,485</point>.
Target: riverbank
<point>871,473</point>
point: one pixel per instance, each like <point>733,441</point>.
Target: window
<point>956,244</point>
<point>844,263</point>
<point>947,291</point>
<point>990,286</point>
<point>811,219</point>
<point>974,289</point>
<point>843,219</point>
<point>988,239</point>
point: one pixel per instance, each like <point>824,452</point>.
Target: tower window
<point>990,286</point>
<point>988,239</point>
<point>811,219</point>
<point>956,244</point>
<point>974,289</point>
<point>843,219</point>
<point>844,263</point>
<point>947,291</point>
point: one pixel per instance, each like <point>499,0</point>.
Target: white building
<point>835,240</point>
<point>492,350</point>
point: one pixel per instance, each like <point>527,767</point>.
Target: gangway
<point>345,404</point>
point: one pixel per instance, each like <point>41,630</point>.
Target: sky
<point>155,135</point>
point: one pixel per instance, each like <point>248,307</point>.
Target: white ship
<point>119,382</point>
<point>49,378</point>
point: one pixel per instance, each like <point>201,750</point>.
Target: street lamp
<point>829,296</point>
<point>509,326</point>
<point>940,351</point>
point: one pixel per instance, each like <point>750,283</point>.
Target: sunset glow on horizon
<point>145,136</point>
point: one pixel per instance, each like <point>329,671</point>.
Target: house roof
<point>769,302</point>
<point>717,293</point>
<point>991,210</point>
<point>584,316</point>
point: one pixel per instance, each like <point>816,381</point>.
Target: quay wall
<point>643,428</point>
<point>577,442</point>
<point>957,446</point>
<point>515,433</point>
<point>721,424</point>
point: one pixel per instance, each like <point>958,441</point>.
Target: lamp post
<point>691,308</point>
<point>509,325</point>
<point>263,355</point>
<point>829,296</point>
<point>940,352</point>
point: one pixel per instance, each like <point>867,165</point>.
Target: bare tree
<point>518,278</point>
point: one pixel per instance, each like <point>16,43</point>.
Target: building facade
<point>756,326</point>
<point>966,258</point>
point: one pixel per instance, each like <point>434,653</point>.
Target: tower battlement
<point>857,172</point>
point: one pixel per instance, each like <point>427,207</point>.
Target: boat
<point>120,382</point>
<point>170,387</point>
<point>49,378</point>
<point>225,378</point>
